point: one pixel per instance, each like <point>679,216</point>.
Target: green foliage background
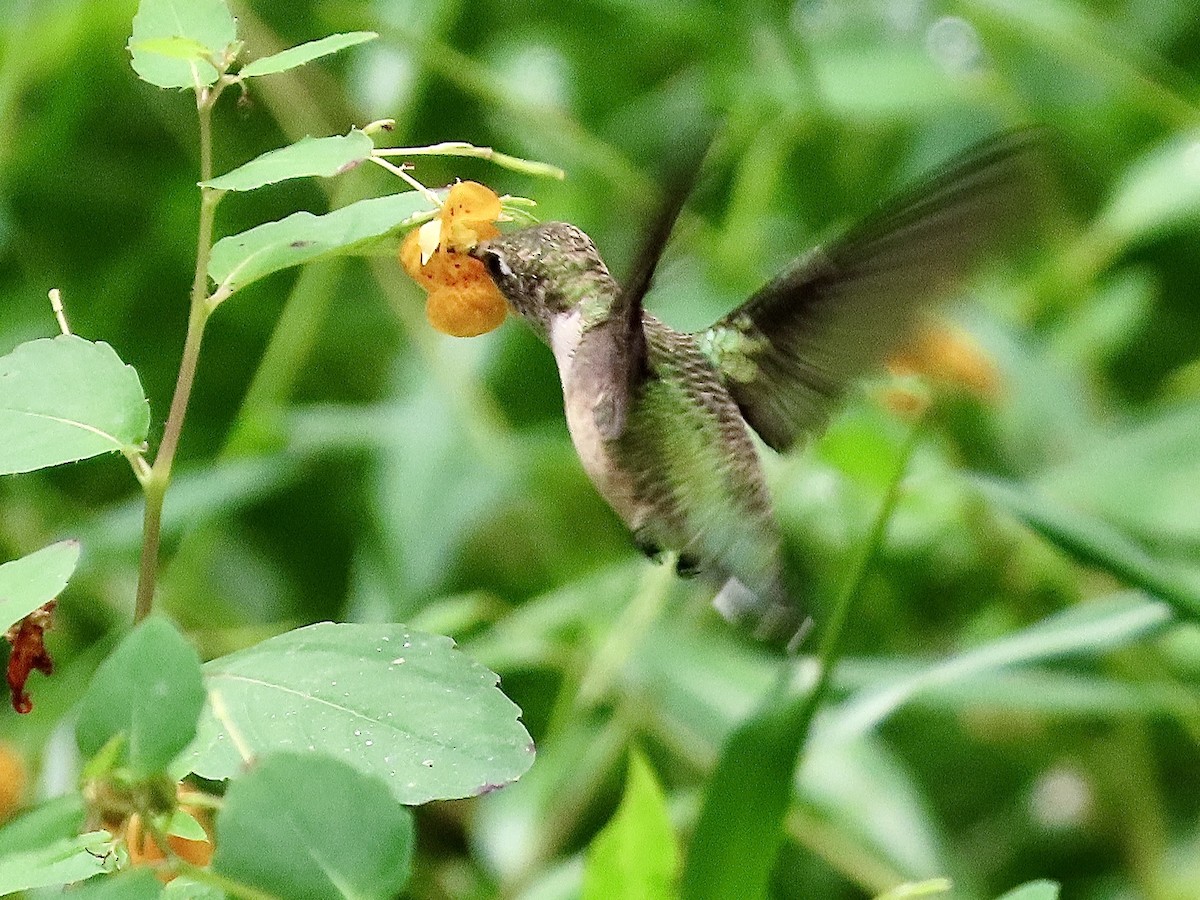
<point>343,461</point>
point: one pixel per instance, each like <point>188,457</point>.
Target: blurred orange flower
<point>949,355</point>
<point>463,300</point>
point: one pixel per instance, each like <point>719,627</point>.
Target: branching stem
<point>156,481</point>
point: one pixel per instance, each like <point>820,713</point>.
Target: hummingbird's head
<point>545,270</point>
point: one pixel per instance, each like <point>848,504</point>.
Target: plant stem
<point>159,478</point>
<point>832,639</point>
<point>462,148</point>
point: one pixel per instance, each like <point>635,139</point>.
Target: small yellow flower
<point>463,300</point>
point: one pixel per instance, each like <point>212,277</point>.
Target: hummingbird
<point>662,419</point>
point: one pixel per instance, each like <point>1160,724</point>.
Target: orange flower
<point>145,851</point>
<point>947,354</point>
<point>13,781</point>
<point>463,300</point>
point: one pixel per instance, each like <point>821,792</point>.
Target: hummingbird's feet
<point>648,546</point>
<point>687,566</point>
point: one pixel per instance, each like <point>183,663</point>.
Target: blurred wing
<point>789,353</point>
<point>625,364</point>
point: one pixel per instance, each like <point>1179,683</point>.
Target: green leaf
<point>54,820</point>
<point>1097,543</point>
<point>199,24</point>
<point>175,47</point>
<point>865,84</point>
<point>856,795</point>
<point>303,53</point>
<point>302,826</point>
<point>1033,890</point>
<point>148,690</point>
<point>240,259</point>
<point>398,704</point>
<point>34,580</point>
<point>133,884</point>
<point>1089,628</point>
<point>64,399</point>
<point>184,888</point>
<point>740,828</point>
<point>636,856</point>
<point>311,156</point>
<point>516,830</point>
<point>1158,493</point>
<point>184,825</point>
<point>862,794</point>
<point>62,862</point>
<point>928,888</point>
<point>1158,193</point>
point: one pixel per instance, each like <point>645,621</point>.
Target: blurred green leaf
<point>63,399</point>
<point>309,826</point>
<point>873,85</point>
<point>1092,627</point>
<point>207,23</point>
<point>184,888</point>
<point>53,820</point>
<point>930,888</point>
<point>34,580</point>
<point>63,862</point>
<point>325,157</point>
<point>197,497</point>
<point>303,53</point>
<point>1033,890</point>
<point>1158,193</point>
<point>434,483</point>
<point>132,884</point>
<point>854,794</point>
<point>174,47</point>
<point>148,690</point>
<point>520,827</point>
<point>397,704</point>
<point>1094,334</point>
<point>636,856</point>
<point>1156,497</point>
<point>863,803</point>
<point>241,259</point>
<point>183,824</point>
<point>1061,692</point>
<point>740,828</point>
<point>1096,543</point>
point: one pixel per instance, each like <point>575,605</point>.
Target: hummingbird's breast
<point>600,461</point>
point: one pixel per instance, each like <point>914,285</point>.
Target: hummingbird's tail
<point>776,619</point>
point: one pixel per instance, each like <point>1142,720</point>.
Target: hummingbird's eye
<point>496,265</point>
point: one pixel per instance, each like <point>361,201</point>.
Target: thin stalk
<point>462,148</point>
<point>156,482</point>
<point>833,638</point>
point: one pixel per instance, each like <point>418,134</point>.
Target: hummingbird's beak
<point>493,260</point>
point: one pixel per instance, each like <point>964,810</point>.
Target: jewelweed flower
<point>463,300</point>
<point>949,355</point>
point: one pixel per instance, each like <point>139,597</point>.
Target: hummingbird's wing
<point>625,344</point>
<point>790,352</point>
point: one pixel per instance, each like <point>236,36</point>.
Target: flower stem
<point>833,638</point>
<point>159,477</point>
<point>462,148</point>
